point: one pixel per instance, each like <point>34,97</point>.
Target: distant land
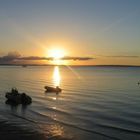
<point>26,65</point>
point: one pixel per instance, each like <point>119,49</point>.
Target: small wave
<point>87,130</point>
<point>120,129</point>
<point>29,120</point>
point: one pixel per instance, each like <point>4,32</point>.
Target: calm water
<point>96,103</point>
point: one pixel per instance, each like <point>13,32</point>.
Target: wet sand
<point>13,132</point>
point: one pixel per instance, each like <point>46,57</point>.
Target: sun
<point>56,54</point>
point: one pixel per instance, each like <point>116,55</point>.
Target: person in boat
<point>14,91</point>
<point>57,88</point>
<point>18,98</point>
<point>25,99</point>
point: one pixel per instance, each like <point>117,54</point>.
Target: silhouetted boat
<point>18,98</point>
<point>52,89</point>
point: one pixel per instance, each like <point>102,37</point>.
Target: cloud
<point>124,56</point>
<point>50,58</point>
<point>77,58</point>
<point>11,56</point>
<point>15,56</point>
<point>35,58</point>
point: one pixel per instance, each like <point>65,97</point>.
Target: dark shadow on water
<point>14,106</point>
<point>54,96</point>
<point>46,92</point>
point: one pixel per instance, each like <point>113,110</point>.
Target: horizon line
<point>111,65</point>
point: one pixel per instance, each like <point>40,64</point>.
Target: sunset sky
<point>87,32</point>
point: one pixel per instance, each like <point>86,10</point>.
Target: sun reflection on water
<point>56,130</point>
<point>54,107</point>
<point>53,131</point>
<point>54,98</point>
<point>56,76</point>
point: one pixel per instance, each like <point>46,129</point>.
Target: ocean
<point>96,103</point>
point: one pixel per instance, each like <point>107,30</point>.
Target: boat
<point>18,98</point>
<point>52,89</point>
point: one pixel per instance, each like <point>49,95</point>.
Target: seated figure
<point>18,98</point>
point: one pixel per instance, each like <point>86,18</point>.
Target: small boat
<point>18,98</point>
<point>52,89</point>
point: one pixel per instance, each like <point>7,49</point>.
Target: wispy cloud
<point>51,58</point>
<point>124,56</point>
<point>15,56</point>
<point>77,58</point>
<point>35,58</point>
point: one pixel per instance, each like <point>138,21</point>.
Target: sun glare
<point>56,54</point>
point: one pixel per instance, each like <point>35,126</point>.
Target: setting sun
<point>56,54</point>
